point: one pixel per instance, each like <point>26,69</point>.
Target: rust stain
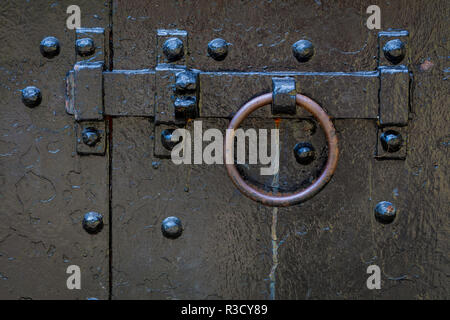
<point>427,65</point>
<point>277,122</point>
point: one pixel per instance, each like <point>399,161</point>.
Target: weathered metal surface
<point>129,93</point>
<point>394,96</point>
<point>224,250</point>
<point>134,92</point>
<point>45,187</point>
<point>324,244</point>
<point>342,95</point>
<point>230,247</point>
<point>260,34</point>
<point>88,91</point>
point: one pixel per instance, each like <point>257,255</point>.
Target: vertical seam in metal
<point>110,130</point>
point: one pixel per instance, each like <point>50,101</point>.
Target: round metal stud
<point>171,227</point>
<point>385,212</point>
<point>49,47</point>
<point>303,50</point>
<point>304,153</point>
<point>90,136</point>
<point>173,49</point>
<point>394,51</point>
<point>93,222</point>
<point>391,141</point>
<point>218,49</point>
<point>85,47</point>
<point>31,96</point>
<point>166,139</point>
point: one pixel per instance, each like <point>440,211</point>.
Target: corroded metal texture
<point>45,187</point>
<point>223,252</point>
<point>230,246</point>
<point>260,34</point>
<point>321,248</point>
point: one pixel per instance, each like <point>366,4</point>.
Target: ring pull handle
<point>282,199</point>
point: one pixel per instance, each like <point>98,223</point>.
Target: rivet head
<point>85,47</point>
<point>385,212</point>
<point>166,139</point>
<point>303,50</point>
<point>304,153</point>
<point>218,49</point>
<point>90,136</point>
<point>186,81</point>
<point>49,47</point>
<point>93,222</point>
<point>391,141</point>
<point>173,49</point>
<point>394,51</point>
<point>171,227</point>
<point>31,96</point>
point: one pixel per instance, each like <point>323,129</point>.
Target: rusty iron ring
<point>287,199</point>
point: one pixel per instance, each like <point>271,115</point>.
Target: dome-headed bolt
<point>391,141</point>
<point>171,227</point>
<point>218,49</point>
<point>166,139</point>
<point>93,222</point>
<point>90,136</point>
<point>173,49</point>
<point>31,96</point>
<point>394,51</point>
<point>85,47</point>
<point>303,50</point>
<point>49,47</point>
<point>304,153</point>
<point>385,212</point>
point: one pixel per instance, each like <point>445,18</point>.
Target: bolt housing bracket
<point>283,96</point>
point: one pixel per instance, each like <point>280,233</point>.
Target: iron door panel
<point>260,34</point>
<point>46,188</point>
<point>321,248</point>
<point>231,247</point>
<point>224,250</point>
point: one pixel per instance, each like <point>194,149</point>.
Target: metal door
<point>137,69</point>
